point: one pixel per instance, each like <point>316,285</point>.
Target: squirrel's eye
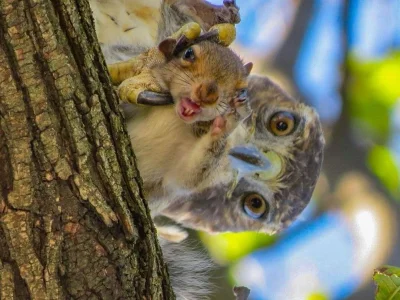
<point>189,54</point>
<point>282,123</point>
<point>255,206</point>
<point>242,95</point>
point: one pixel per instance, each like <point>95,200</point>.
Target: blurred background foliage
<point>343,58</point>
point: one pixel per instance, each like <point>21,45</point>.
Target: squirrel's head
<point>277,172</point>
<point>205,79</point>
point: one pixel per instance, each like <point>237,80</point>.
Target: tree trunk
<point>73,221</point>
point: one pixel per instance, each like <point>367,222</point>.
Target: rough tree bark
<point>73,222</point>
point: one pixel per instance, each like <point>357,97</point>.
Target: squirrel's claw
<point>154,99</point>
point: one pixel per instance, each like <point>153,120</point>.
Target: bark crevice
<point>69,183</point>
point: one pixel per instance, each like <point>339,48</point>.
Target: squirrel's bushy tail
<point>189,270</point>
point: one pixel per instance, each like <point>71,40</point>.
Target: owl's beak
<point>248,159</point>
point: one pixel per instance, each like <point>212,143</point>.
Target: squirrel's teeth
<point>190,112</point>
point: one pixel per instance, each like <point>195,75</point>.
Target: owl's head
<point>288,135</point>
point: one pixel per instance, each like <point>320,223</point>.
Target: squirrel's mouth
<point>187,109</point>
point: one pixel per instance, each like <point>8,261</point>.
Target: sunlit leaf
<point>387,280</point>
<point>229,247</point>
<point>382,163</point>
<point>317,296</point>
<point>373,89</point>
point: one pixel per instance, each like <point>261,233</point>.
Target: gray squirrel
<point>189,269</point>
<point>287,132</point>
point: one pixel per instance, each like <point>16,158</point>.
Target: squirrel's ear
<point>167,47</point>
<point>248,68</point>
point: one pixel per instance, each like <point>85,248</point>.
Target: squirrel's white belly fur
<point>178,151</point>
<point>134,24</point>
<point>127,22</point>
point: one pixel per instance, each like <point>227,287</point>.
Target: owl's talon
<point>154,99</point>
<point>142,90</point>
<point>226,33</point>
<point>190,30</point>
<point>121,71</point>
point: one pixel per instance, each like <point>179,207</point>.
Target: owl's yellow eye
<point>281,124</point>
<point>255,206</point>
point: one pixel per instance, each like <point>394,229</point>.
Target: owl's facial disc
<point>251,206</point>
<point>279,171</point>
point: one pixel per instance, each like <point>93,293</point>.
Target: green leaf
<point>372,92</point>
<point>387,279</point>
<point>229,247</point>
<point>382,162</point>
<point>317,296</point>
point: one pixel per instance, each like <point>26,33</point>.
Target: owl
<point>280,165</point>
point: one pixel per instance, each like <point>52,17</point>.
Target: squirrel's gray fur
<point>188,270</point>
<point>171,21</point>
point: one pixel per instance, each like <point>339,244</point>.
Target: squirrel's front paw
<point>222,126</point>
<point>218,128</point>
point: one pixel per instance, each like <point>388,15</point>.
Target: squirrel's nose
<point>207,92</point>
